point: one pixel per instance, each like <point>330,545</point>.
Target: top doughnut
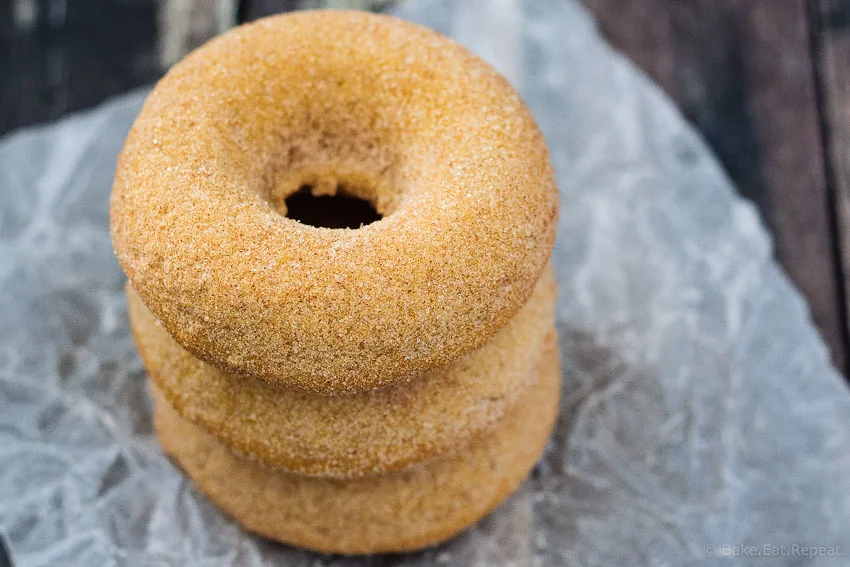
<point>363,105</point>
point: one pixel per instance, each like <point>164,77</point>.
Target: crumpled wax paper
<point>700,411</point>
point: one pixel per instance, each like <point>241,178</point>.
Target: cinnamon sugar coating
<point>393,512</point>
<point>362,434</point>
<point>368,105</point>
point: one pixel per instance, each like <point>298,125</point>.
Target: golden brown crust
<point>362,434</point>
<point>396,512</point>
<point>404,117</point>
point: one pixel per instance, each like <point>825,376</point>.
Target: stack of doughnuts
<point>375,387</point>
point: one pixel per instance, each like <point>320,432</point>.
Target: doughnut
<point>320,107</point>
<point>362,434</point>
<point>395,512</point>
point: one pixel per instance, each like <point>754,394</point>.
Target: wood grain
<point>831,38</point>
<point>186,24</point>
<point>58,56</point>
<point>766,81</point>
<point>742,72</point>
<point>253,9</point>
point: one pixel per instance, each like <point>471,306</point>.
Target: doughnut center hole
<point>340,210</point>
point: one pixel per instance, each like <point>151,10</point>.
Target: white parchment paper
<point>700,413</point>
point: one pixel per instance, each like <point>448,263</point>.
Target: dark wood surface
<point>57,56</point>
<point>766,81</point>
<point>746,74</point>
<point>831,47</point>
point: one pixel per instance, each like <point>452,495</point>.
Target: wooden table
<point>768,84</point>
<point>766,81</point>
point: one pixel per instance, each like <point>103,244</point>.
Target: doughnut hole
<point>346,103</point>
<point>341,210</point>
<point>337,169</point>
